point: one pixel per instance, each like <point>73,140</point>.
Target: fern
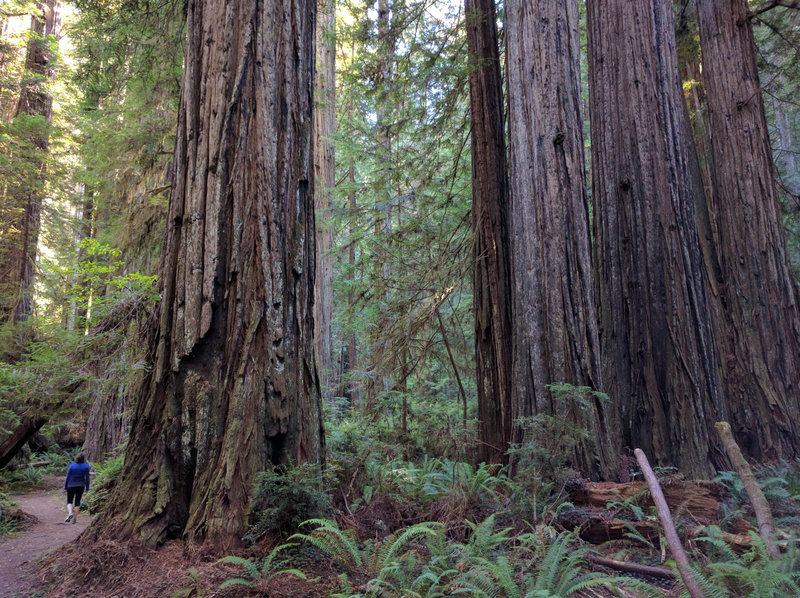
<point>334,542</point>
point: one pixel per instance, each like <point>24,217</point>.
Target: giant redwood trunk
<point>21,204</point>
<point>759,329</point>
<point>324,174</point>
<point>233,387</point>
<point>659,359</point>
<point>492,267</point>
<point>555,323</point>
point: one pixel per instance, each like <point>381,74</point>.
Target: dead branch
<point>757,498</point>
<point>674,543</point>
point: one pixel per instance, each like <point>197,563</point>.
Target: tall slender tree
<point>555,332</point>
<point>233,387</point>
<point>22,202</point>
<point>324,174</point>
<point>660,363</point>
<point>759,336</point>
<point>491,249</point>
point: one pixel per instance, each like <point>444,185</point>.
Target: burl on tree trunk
<point>233,387</point>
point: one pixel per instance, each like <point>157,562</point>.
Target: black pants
<point>75,492</point>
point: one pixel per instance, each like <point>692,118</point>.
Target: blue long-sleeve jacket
<point>77,475</point>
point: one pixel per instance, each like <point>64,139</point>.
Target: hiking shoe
<point>68,519</point>
<point>74,520</point>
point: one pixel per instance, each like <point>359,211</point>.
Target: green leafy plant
<point>284,498</point>
<point>259,572</point>
<point>754,572</point>
<point>193,588</point>
<point>105,480</point>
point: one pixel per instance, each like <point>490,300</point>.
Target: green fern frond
<point>392,546</point>
<point>236,581</point>
<point>331,540</point>
<point>249,566</point>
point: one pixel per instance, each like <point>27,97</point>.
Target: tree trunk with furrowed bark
<point>233,387</point>
<point>759,320</point>
<point>490,213</point>
<point>324,175</point>
<point>555,322</point>
<point>660,363</point>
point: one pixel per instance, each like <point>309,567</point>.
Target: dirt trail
<point>18,553</point>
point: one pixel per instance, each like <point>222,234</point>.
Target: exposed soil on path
<point>20,552</point>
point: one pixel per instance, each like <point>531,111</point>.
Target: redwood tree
<point>233,387</point>
<point>21,201</point>
<point>659,358</point>
<point>759,328</point>
<point>324,174</point>
<point>492,266</point>
<point>555,325</point>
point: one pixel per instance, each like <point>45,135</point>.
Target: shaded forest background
<point>475,299</point>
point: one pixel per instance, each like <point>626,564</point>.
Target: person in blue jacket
<point>77,480</point>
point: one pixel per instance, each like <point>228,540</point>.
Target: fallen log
<point>597,526</point>
<point>629,567</point>
<point>697,500</point>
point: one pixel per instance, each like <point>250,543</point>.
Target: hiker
<point>77,480</point>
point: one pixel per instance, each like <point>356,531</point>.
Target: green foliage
<point>259,572</point>
<point>284,498</point>
<point>8,524</point>
<point>753,573</point>
<point>105,480</point>
<point>422,560</point>
<point>193,588</point>
<point>25,479</point>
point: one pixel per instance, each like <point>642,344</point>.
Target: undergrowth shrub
<point>8,517</point>
<point>285,497</point>
<point>422,560</point>
<point>754,573</point>
<point>105,480</point>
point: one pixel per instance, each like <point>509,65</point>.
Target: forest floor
<point>45,532</point>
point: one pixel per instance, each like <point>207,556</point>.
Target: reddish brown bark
<point>660,363</point>
<point>759,322</point>
<point>324,174</point>
<point>555,331</point>
<point>492,268</point>
<point>233,387</point>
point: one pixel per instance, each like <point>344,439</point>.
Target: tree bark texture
<point>555,322</point>
<point>324,175</point>
<point>490,213</point>
<point>21,207</point>
<point>233,387</point>
<point>759,326</point>
<point>659,359</point>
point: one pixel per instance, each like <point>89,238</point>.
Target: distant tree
<point>555,322</point>
<point>759,336</point>
<point>659,358</point>
<point>490,214</point>
<point>21,200</point>
<point>233,386</point>
<point>325,175</point>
